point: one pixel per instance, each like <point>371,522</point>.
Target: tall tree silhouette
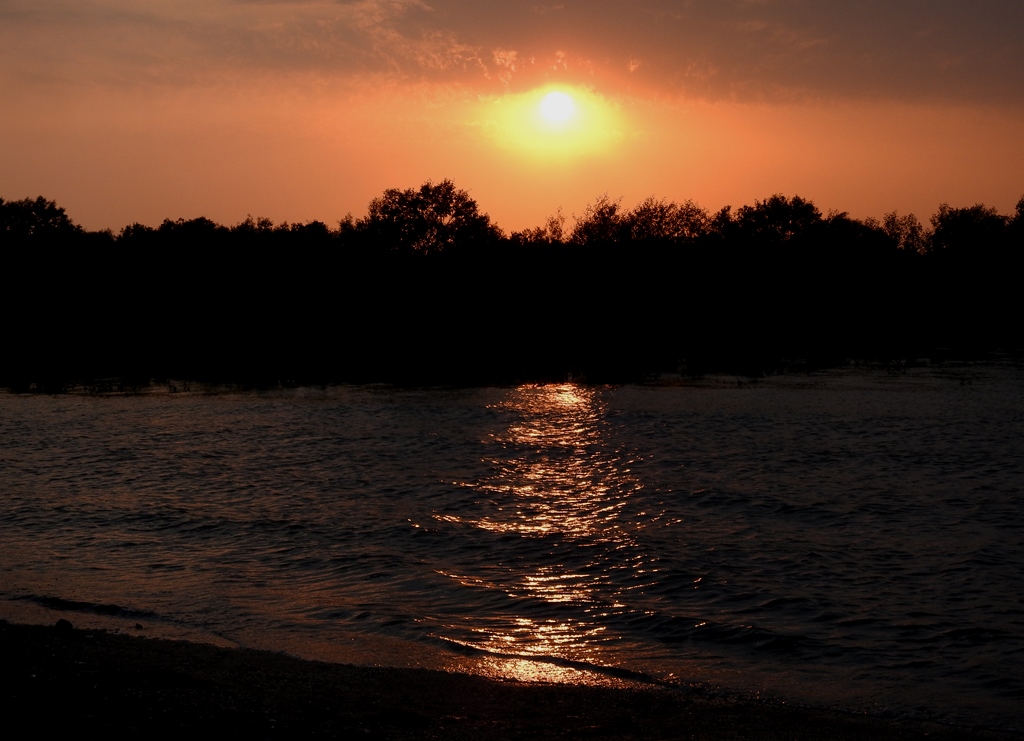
<point>601,223</point>
<point>777,219</point>
<point>655,219</point>
<point>428,220</point>
<point>34,218</point>
<point>967,232</point>
<point>906,231</point>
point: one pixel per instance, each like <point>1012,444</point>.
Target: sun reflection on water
<point>556,478</point>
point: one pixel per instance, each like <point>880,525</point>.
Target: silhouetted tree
<point>428,220</point>
<point>1015,231</point>
<point>317,229</point>
<point>906,231</point>
<point>601,223</point>
<point>661,284</point>
<point>34,218</point>
<point>200,227</point>
<point>136,231</point>
<point>655,219</point>
<point>966,231</point>
<point>723,222</point>
<point>251,225</point>
<point>777,219</point>
<point>553,232</point>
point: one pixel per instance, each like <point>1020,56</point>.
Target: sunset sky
<point>138,110</point>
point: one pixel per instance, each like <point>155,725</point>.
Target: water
<point>847,539</point>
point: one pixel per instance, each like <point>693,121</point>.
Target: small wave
<point>676,629</point>
<point>66,605</point>
<point>608,671</point>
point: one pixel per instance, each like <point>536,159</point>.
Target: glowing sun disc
<point>557,108</point>
<point>553,123</point>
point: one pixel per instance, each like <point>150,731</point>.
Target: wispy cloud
<point>730,49</point>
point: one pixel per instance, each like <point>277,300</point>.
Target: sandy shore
<point>79,680</point>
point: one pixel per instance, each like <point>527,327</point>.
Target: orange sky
<point>126,111</point>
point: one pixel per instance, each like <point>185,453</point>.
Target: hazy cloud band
<point>738,49</point>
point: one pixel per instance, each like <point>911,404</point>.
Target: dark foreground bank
<point>79,681</point>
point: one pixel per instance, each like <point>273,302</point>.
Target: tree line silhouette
<point>426,289</point>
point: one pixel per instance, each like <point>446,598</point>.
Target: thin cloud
<point>732,49</point>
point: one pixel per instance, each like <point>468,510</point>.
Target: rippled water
<point>848,539</point>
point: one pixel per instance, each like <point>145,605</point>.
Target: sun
<point>554,123</point>
<point>557,108</point>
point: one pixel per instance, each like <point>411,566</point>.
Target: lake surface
<point>849,539</point>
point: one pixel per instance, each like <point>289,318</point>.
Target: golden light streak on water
<point>556,477</point>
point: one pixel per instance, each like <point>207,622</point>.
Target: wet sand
<point>83,680</point>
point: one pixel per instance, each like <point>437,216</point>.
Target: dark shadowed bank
<point>62,680</point>
<point>426,289</point>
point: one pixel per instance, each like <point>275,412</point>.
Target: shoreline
<point>798,374</point>
<point>81,680</point>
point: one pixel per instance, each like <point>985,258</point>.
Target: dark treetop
<point>426,289</point>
